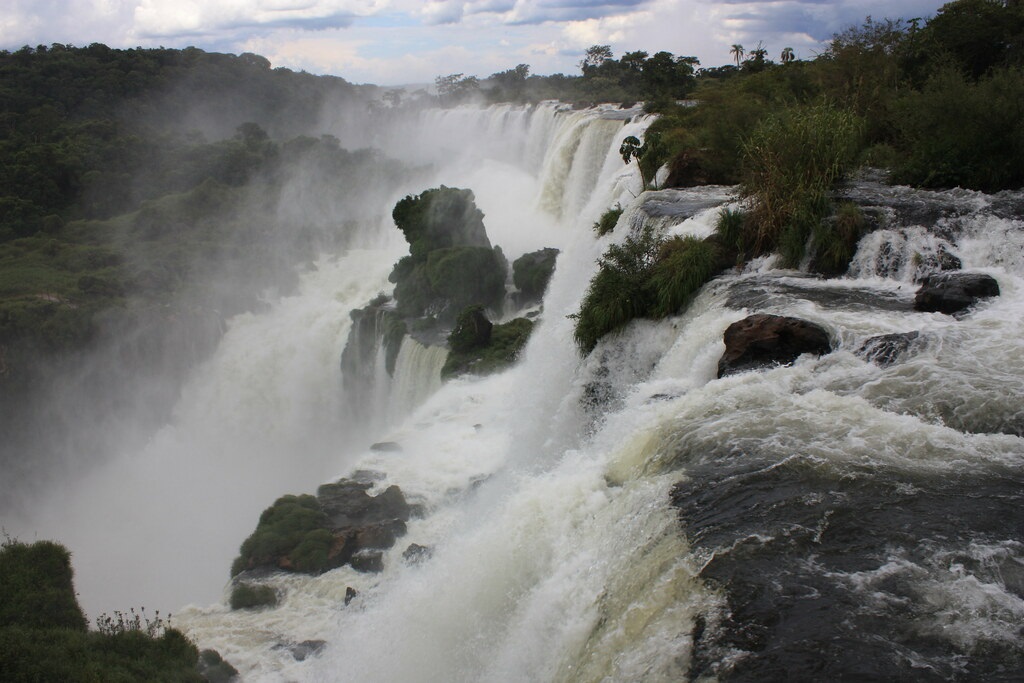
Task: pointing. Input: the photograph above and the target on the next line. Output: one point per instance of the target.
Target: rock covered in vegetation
(480, 348)
(886, 349)
(954, 292)
(451, 264)
(762, 340)
(342, 524)
(472, 330)
(251, 596)
(214, 669)
(531, 273)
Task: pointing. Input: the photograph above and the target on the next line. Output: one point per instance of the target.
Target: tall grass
(791, 162)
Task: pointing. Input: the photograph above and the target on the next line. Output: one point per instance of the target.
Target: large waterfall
(623, 517)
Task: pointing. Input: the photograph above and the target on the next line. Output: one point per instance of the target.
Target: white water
(555, 554)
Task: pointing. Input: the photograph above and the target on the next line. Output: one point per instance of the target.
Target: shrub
(292, 533)
(684, 265)
(731, 229)
(618, 292)
(606, 223)
(959, 133)
(472, 330)
(791, 162)
(38, 590)
(250, 596)
(835, 240)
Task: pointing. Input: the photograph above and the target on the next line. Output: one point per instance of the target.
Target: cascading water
(628, 516)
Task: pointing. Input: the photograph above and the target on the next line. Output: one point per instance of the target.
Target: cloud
(160, 18)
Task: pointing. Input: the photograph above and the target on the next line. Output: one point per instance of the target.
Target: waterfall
(625, 516)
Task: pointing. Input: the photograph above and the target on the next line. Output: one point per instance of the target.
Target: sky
(395, 42)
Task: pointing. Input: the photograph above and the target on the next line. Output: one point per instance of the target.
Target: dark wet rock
(347, 504)
(416, 553)
(350, 594)
(775, 292)
(382, 535)
(304, 650)
(386, 447)
(886, 349)
(369, 561)
(954, 292)
(762, 340)
(810, 557)
(212, 667)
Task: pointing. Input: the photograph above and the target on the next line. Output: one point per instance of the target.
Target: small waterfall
(417, 376)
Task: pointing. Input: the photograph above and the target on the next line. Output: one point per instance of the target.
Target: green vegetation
(291, 534)
(451, 263)
(939, 105)
(606, 223)
(253, 596)
(44, 638)
(531, 273)
(792, 161)
(477, 356)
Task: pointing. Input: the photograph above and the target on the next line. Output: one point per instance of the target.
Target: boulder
(416, 553)
(347, 504)
(885, 349)
(214, 669)
(954, 292)
(762, 340)
(370, 561)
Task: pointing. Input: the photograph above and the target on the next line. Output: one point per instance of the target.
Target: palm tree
(737, 53)
(787, 55)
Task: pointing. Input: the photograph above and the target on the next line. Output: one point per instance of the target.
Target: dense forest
(145, 196)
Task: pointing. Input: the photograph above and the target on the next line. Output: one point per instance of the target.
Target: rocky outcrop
(886, 349)
(342, 524)
(531, 273)
(954, 292)
(763, 340)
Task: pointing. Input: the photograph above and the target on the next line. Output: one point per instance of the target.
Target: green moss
(250, 596)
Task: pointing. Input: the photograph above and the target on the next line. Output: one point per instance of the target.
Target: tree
(455, 88)
(595, 56)
(737, 52)
(787, 55)
(643, 153)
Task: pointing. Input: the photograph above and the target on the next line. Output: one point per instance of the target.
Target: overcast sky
(391, 42)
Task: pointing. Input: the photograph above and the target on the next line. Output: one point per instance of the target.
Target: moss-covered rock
(502, 349)
(313, 534)
(439, 218)
(253, 596)
(531, 273)
(472, 330)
